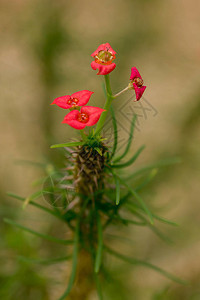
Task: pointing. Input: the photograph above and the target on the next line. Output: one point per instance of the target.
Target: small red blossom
(77, 99)
(87, 116)
(137, 83)
(104, 56)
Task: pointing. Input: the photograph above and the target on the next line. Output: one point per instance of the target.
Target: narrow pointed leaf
(134, 222)
(163, 220)
(115, 132)
(43, 261)
(162, 236)
(117, 191)
(146, 264)
(138, 198)
(72, 144)
(149, 178)
(98, 258)
(130, 161)
(41, 235)
(129, 140)
(36, 205)
(132, 208)
(98, 150)
(159, 164)
(32, 197)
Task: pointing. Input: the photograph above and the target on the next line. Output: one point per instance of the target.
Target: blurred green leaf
(117, 183)
(98, 150)
(159, 164)
(45, 236)
(43, 261)
(130, 161)
(138, 198)
(50, 211)
(146, 264)
(72, 144)
(129, 140)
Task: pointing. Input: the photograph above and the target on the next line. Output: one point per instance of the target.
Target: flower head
(77, 99)
(104, 56)
(137, 83)
(87, 116)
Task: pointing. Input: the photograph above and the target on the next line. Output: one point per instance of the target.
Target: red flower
(104, 56)
(88, 116)
(137, 82)
(77, 99)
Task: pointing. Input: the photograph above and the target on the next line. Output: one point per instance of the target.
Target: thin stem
(106, 106)
(121, 92)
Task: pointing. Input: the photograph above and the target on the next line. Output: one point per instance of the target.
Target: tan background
(45, 53)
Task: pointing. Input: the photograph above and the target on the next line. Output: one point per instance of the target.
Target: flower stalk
(109, 98)
(122, 91)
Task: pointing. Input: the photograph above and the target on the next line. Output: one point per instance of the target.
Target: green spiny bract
(89, 169)
(89, 166)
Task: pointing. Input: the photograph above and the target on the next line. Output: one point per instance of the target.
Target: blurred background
(45, 53)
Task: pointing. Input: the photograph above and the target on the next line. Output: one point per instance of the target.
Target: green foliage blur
(45, 53)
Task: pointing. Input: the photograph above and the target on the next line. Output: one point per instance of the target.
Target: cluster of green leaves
(120, 206)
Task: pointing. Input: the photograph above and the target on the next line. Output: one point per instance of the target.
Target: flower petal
(134, 73)
(104, 47)
(82, 96)
(138, 91)
(103, 69)
(94, 114)
(62, 101)
(71, 119)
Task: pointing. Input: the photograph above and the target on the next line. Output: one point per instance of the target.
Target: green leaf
(72, 144)
(159, 164)
(150, 177)
(130, 161)
(32, 197)
(138, 198)
(98, 150)
(134, 261)
(162, 236)
(134, 222)
(36, 205)
(115, 132)
(163, 220)
(98, 258)
(117, 191)
(129, 140)
(133, 208)
(43, 261)
(44, 236)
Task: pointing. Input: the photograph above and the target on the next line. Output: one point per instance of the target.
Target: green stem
(107, 105)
